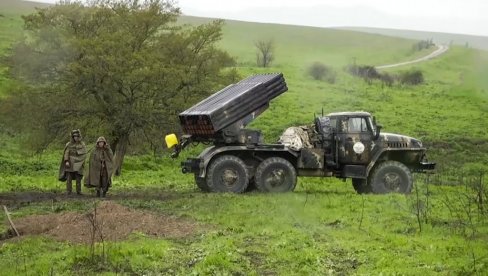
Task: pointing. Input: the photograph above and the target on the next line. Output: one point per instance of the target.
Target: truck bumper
(191, 165)
(425, 166)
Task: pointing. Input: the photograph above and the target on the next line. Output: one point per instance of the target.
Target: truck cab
(355, 132)
(355, 147)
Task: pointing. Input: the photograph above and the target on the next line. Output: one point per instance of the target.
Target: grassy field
(323, 227)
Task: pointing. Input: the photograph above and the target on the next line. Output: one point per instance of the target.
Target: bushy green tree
(119, 68)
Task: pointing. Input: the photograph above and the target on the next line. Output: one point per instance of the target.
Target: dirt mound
(108, 221)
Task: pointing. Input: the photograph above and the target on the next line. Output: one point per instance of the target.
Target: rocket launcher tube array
(232, 104)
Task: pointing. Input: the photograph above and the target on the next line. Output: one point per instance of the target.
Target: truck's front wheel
(391, 177)
(275, 175)
(361, 185)
(227, 173)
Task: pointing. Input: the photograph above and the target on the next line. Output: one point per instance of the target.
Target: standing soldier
(73, 162)
(100, 168)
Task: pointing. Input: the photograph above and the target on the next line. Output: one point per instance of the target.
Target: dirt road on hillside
(441, 49)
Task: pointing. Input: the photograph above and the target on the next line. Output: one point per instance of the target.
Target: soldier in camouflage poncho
(101, 167)
(73, 162)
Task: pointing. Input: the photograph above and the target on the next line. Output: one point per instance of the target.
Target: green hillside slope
(297, 46)
(480, 42)
(11, 29)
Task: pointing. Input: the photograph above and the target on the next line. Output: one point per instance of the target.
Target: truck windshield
(357, 125)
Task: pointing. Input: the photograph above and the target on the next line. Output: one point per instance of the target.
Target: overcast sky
(452, 16)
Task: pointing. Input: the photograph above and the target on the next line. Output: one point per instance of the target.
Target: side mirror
(378, 129)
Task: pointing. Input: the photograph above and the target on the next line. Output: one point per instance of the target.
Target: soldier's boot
(104, 187)
(98, 193)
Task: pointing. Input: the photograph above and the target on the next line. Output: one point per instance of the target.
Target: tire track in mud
(28, 197)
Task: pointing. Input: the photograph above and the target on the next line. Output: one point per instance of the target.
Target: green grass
(321, 228)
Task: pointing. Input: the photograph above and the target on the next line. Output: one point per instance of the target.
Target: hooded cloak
(97, 157)
(75, 153)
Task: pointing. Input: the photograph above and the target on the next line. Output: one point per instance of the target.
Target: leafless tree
(264, 55)
(96, 231)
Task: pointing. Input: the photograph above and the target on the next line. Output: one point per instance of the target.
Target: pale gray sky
(451, 16)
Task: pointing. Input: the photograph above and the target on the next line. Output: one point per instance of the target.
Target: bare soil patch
(113, 222)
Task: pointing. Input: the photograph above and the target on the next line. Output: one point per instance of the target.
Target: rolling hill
(298, 46)
(480, 42)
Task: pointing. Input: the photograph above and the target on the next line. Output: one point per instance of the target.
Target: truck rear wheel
(227, 173)
(361, 186)
(276, 175)
(391, 177)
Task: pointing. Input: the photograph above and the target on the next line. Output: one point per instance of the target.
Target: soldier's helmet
(76, 132)
(101, 139)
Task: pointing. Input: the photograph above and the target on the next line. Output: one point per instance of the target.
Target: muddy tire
(227, 173)
(391, 177)
(275, 175)
(201, 183)
(361, 186)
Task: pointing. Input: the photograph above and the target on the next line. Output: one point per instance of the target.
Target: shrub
(387, 79)
(367, 72)
(320, 71)
(423, 44)
(413, 77)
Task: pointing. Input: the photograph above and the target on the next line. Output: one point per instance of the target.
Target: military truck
(343, 145)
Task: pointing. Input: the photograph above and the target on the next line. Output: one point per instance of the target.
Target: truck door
(355, 140)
